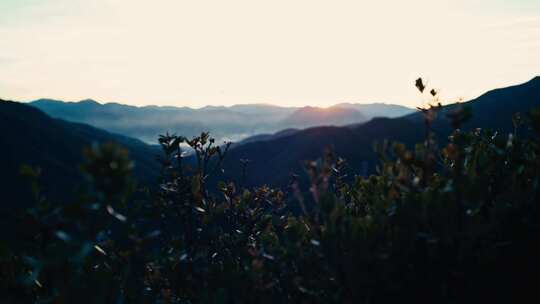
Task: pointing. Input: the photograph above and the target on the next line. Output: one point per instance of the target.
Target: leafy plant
(457, 223)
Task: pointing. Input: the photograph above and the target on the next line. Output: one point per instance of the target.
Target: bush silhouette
(457, 223)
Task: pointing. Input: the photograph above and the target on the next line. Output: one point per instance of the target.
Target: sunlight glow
(196, 53)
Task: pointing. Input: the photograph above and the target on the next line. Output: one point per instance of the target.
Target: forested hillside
(445, 225)
(453, 218)
(273, 160)
(55, 148)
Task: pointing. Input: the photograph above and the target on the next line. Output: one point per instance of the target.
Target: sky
(284, 52)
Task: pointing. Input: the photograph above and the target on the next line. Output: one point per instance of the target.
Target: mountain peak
(46, 100)
(314, 116)
(89, 101)
(535, 79)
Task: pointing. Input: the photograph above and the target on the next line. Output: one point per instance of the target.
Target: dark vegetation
(29, 137)
(452, 219)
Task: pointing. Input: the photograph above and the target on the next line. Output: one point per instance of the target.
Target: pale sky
(285, 52)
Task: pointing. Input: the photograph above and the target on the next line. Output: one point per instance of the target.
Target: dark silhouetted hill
(264, 137)
(494, 109)
(273, 160)
(30, 137)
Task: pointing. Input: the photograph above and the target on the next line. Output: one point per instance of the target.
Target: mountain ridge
(232, 123)
(285, 155)
(30, 137)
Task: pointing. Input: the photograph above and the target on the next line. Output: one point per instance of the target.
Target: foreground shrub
(453, 224)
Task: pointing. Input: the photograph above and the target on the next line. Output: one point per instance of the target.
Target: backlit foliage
(456, 223)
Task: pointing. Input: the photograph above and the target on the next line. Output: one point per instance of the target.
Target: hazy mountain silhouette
(147, 123)
(367, 112)
(372, 110)
(313, 116)
(263, 109)
(30, 137)
(274, 159)
(263, 137)
(225, 123)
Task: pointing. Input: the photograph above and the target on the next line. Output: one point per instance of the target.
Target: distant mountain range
(224, 123)
(273, 158)
(333, 116)
(30, 137)
(373, 110)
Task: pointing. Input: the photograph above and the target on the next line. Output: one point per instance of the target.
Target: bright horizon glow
(282, 52)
